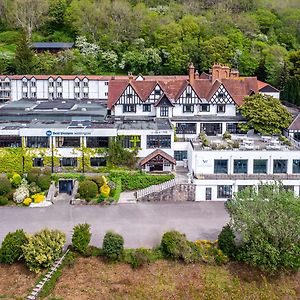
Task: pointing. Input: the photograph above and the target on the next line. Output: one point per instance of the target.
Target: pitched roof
(143, 88)
(265, 87)
(115, 90)
(295, 124)
(173, 88)
(156, 153)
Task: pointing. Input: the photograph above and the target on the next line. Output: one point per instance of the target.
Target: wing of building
(162, 116)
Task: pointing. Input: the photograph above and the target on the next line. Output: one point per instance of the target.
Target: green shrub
(113, 246)
(88, 189)
(5, 185)
(140, 257)
(101, 198)
(116, 192)
(33, 175)
(9, 37)
(70, 259)
(11, 249)
(138, 180)
(44, 182)
(81, 237)
(174, 245)
(97, 179)
(16, 180)
(226, 135)
(34, 188)
(3, 200)
(43, 248)
(226, 242)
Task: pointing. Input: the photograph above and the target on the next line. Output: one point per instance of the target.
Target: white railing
(155, 188)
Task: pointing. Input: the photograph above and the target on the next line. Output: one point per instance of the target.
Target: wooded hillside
(156, 37)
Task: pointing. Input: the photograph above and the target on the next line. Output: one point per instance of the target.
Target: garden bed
(91, 278)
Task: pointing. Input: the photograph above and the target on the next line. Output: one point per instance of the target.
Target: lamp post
(52, 162)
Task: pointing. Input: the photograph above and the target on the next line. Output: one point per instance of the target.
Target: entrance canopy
(158, 157)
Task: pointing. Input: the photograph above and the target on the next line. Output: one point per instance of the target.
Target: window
(188, 95)
(50, 83)
(58, 83)
(204, 107)
(220, 108)
(242, 187)
(68, 162)
(85, 84)
(157, 92)
(97, 142)
(211, 128)
(38, 162)
(288, 188)
(158, 141)
(105, 82)
(67, 142)
(25, 94)
(129, 95)
(129, 108)
(24, 83)
(37, 142)
(221, 95)
(186, 128)
(10, 141)
(59, 95)
(33, 94)
(33, 83)
(279, 166)
(233, 128)
(221, 166)
(164, 111)
(260, 166)
(296, 165)
(76, 84)
(189, 108)
(77, 95)
(85, 95)
(131, 141)
(51, 95)
(146, 107)
(180, 155)
(224, 191)
(240, 166)
(98, 161)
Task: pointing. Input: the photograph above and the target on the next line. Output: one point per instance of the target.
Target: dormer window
(24, 83)
(129, 95)
(51, 83)
(76, 83)
(58, 83)
(157, 92)
(33, 84)
(85, 84)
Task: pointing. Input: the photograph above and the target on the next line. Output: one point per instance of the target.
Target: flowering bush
(38, 198)
(27, 201)
(105, 190)
(21, 193)
(211, 253)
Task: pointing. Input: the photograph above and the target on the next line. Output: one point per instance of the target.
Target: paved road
(141, 224)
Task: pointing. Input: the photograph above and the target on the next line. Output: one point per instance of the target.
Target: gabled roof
(172, 88)
(115, 90)
(156, 153)
(295, 124)
(266, 88)
(164, 99)
(143, 88)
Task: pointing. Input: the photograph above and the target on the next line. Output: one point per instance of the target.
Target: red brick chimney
(234, 73)
(220, 71)
(191, 73)
(130, 76)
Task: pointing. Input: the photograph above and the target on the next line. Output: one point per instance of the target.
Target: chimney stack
(197, 75)
(221, 71)
(191, 73)
(130, 76)
(234, 73)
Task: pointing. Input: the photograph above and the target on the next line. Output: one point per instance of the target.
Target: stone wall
(177, 193)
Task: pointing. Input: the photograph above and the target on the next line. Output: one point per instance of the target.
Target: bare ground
(15, 281)
(91, 278)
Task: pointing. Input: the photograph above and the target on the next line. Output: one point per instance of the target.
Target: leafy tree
(264, 114)
(267, 222)
(24, 57)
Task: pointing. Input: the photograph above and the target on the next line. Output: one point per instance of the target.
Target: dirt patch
(15, 281)
(91, 278)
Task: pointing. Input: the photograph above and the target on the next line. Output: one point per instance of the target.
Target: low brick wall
(177, 193)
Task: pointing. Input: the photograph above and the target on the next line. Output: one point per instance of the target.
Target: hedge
(138, 180)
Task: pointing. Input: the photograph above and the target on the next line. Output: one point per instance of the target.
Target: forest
(259, 37)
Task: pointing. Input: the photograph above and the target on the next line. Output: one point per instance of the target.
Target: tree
(267, 223)
(24, 57)
(27, 14)
(264, 114)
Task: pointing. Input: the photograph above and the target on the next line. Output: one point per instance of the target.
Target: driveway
(141, 224)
